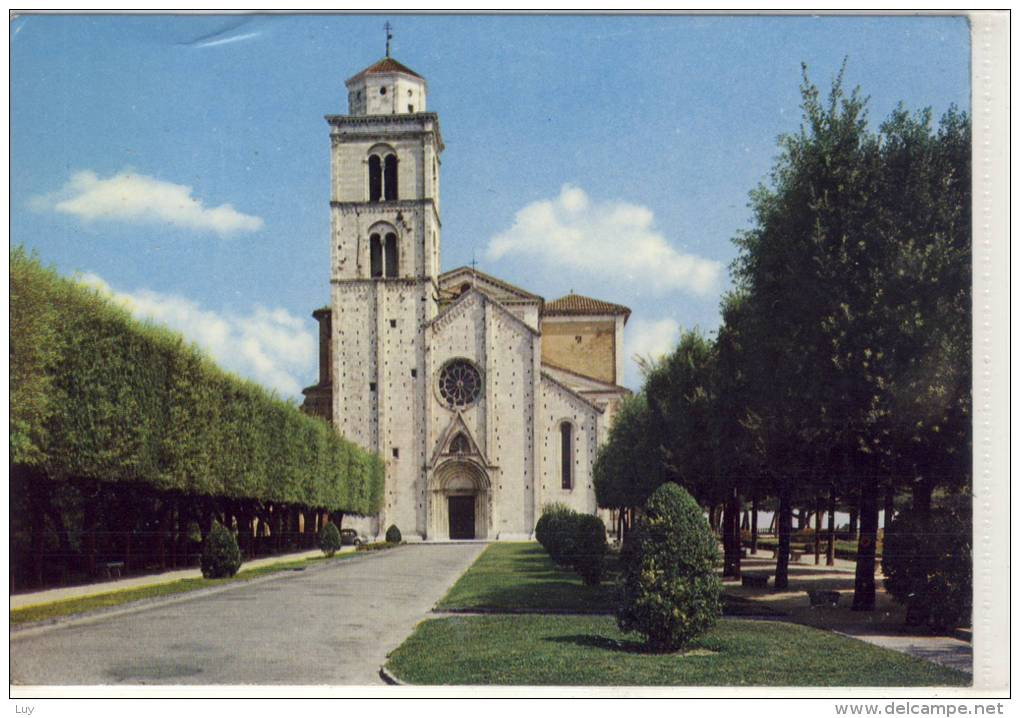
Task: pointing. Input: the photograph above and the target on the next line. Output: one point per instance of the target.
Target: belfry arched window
(460, 444)
(390, 177)
(567, 455)
(376, 251)
(382, 175)
(374, 178)
(391, 255)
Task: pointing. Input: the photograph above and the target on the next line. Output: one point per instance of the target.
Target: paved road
(331, 625)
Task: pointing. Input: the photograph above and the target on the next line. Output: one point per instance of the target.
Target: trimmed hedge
(590, 548)
(393, 534)
(929, 567)
(221, 557)
(670, 592)
(329, 538)
(96, 394)
(575, 540)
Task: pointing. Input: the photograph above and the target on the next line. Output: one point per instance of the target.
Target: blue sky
(181, 162)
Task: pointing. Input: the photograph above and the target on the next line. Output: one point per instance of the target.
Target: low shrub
(329, 538)
(589, 548)
(557, 532)
(221, 557)
(670, 592)
(393, 534)
(375, 546)
(927, 564)
(549, 511)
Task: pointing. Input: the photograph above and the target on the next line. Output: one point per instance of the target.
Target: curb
(963, 634)
(388, 678)
(488, 611)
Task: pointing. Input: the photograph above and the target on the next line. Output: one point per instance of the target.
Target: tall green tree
(628, 467)
(859, 245)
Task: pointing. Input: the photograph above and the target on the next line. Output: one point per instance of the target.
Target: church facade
(485, 401)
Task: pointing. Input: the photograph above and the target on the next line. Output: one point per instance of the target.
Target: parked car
(349, 537)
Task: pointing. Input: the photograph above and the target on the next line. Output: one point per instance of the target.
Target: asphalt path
(328, 625)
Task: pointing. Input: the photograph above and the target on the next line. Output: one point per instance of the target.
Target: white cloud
(615, 241)
(132, 197)
(270, 346)
(648, 339)
(226, 40)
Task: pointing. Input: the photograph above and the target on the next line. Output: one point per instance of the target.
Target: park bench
(112, 568)
(754, 580)
(823, 598)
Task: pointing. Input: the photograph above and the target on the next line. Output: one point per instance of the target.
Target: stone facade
(445, 375)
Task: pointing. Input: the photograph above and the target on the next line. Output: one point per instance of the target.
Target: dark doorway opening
(462, 517)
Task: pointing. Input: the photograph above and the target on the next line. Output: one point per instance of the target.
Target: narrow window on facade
(375, 245)
(391, 255)
(567, 454)
(390, 177)
(374, 178)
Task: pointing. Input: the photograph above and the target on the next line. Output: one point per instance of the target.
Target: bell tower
(384, 267)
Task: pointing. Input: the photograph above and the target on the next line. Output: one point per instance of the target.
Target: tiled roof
(580, 304)
(387, 64)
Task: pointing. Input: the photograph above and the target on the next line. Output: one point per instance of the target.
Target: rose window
(459, 383)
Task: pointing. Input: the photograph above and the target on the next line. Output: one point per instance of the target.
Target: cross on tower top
(389, 36)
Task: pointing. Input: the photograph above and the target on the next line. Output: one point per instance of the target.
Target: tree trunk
(864, 581)
(853, 521)
(774, 522)
(754, 523)
(818, 529)
(67, 554)
(830, 552)
(38, 540)
(785, 516)
(922, 492)
(165, 519)
(888, 510)
(89, 527)
(738, 544)
(727, 539)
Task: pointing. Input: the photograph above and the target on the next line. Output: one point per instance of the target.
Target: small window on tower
(382, 90)
(396, 453)
(393, 324)
(371, 386)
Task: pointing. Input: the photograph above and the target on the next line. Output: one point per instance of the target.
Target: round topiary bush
(393, 534)
(928, 568)
(558, 532)
(221, 558)
(542, 526)
(589, 548)
(670, 592)
(329, 538)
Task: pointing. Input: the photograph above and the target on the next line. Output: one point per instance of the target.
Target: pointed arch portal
(459, 501)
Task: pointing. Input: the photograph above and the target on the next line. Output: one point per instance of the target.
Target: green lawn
(844, 549)
(521, 578)
(590, 650)
(71, 606)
